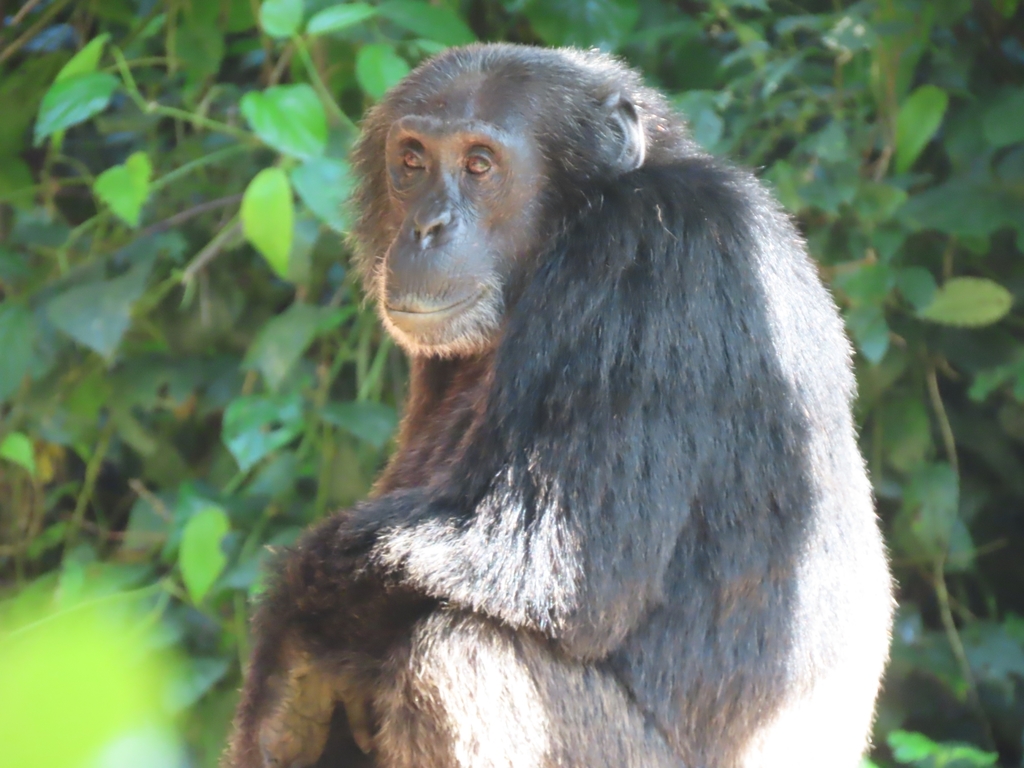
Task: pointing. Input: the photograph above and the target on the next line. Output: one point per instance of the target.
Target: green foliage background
(188, 375)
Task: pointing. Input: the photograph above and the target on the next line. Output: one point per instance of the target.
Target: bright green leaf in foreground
(268, 215)
(968, 302)
(95, 676)
(433, 22)
(17, 447)
(125, 188)
(378, 68)
(918, 120)
(339, 17)
(201, 558)
(85, 60)
(290, 118)
(73, 101)
(281, 18)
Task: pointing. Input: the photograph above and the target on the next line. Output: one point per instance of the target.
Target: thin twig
(189, 213)
(32, 31)
(150, 498)
(957, 646)
(21, 14)
(321, 88)
(212, 249)
(945, 428)
(92, 473)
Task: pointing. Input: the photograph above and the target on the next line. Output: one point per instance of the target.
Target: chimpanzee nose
(428, 225)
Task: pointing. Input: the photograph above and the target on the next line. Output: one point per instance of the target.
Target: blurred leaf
(85, 60)
(195, 679)
(850, 34)
(912, 748)
(969, 302)
(868, 284)
(433, 22)
(917, 286)
(256, 426)
(86, 668)
(870, 331)
(338, 17)
(125, 188)
(98, 314)
(324, 185)
(281, 18)
(372, 422)
(1003, 123)
(17, 447)
(200, 556)
(930, 503)
(378, 68)
(603, 23)
(282, 341)
(290, 118)
(268, 215)
(73, 101)
(906, 431)
(919, 118)
(17, 330)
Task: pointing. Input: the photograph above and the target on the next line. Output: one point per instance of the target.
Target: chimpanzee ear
(629, 145)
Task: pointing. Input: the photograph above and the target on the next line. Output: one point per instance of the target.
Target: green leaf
(910, 747)
(290, 118)
(968, 302)
(98, 314)
(281, 18)
(339, 17)
(1003, 123)
(918, 120)
(430, 21)
(282, 341)
(256, 426)
(324, 184)
(372, 422)
(125, 188)
(931, 501)
(17, 333)
(604, 23)
(870, 331)
(268, 215)
(17, 447)
(917, 285)
(378, 68)
(85, 60)
(196, 677)
(200, 556)
(73, 101)
(868, 283)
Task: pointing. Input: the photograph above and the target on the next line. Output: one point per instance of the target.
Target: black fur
(653, 474)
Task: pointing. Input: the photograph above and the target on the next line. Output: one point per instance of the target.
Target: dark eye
(478, 164)
(412, 159)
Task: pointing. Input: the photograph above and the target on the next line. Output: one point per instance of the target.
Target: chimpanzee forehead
(480, 98)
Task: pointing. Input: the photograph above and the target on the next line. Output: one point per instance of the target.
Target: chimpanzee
(627, 523)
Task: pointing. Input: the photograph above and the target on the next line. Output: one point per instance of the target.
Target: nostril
(432, 226)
